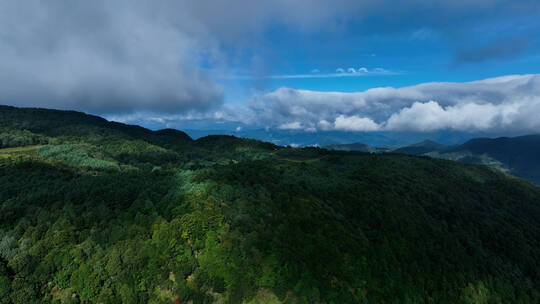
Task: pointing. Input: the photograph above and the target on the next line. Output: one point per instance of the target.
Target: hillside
(421, 148)
(518, 156)
(515, 155)
(99, 212)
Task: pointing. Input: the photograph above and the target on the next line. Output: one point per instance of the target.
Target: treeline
(19, 138)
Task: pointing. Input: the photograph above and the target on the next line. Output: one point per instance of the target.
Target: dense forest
(93, 211)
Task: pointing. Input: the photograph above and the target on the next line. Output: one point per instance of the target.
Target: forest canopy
(100, 212)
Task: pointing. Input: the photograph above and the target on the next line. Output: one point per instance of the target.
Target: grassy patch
(7, 152)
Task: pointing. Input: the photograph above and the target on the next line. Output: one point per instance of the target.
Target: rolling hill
(93, 211)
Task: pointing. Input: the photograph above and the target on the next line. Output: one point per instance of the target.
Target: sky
(310, 66)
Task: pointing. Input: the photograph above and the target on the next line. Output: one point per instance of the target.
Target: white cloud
(325, 125)
(355, 123)
(291, 126)
(431, 116)
(509, 103)
(340, 72)
(468, 117)
(174, 120)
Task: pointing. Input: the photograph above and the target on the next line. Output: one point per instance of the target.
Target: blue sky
(311, 66)
(417, 54)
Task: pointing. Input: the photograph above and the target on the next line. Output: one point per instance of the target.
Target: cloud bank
(509, 103)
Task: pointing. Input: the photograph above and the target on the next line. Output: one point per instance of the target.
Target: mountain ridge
(517, 155)
(25, 116)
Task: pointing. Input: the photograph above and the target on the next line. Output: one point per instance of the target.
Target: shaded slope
(521, 155)
(71, 123)
(421, 148)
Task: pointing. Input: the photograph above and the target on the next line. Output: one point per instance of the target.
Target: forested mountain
(421, 148)
(519, 156)
(99, 212)
(302, 138)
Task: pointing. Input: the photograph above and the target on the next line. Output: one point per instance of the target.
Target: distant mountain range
(420, 148)
(300, 138)
(519, 156)
(361, 148)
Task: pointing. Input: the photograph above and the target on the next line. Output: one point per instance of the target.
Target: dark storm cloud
(99, 56)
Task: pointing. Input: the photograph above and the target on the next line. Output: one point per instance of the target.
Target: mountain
(56, 123)
(93, 211)
(300, 138)
(518, 156)
(421, 148)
